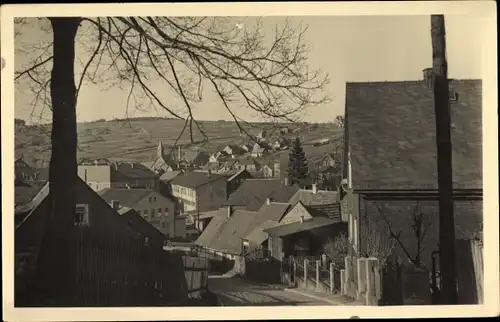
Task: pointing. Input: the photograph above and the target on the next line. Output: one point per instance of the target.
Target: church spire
(159, 151)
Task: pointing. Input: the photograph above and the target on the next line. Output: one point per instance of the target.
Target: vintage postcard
(220, 160)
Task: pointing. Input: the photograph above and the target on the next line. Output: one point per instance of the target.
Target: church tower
(160, 153)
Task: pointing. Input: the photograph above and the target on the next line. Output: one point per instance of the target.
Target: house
(284, 130)
(281, 143)
(218, 157)
(328, 160)
(23, 170)
(235, 179)
(200, 191)
(247, 147)
(228, 166)
(118, 175)
(269, 215)
(253, 193)
(53, 259)
(277, 169)
(163, 162)
(157, 209)
(201, 159)
(268, 171)
(261, 135)
(166, 181)
(249, 164)
(201, 219)
(140, 225)
(258, 150)
(224, 233)
(389, 165)
(314, 217)
(233, 149)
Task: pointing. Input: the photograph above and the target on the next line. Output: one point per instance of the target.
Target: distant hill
(136, 139)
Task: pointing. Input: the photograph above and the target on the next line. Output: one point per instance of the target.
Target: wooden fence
(196, 273)
(113, 271)
(125, 272)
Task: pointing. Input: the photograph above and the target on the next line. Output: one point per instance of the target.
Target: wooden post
(306, 263)
(347, 274)
(294, 273)
(332, 279)
(343, 282)
(318, 264)
(447, 263)
(370, 281)
(361, 272)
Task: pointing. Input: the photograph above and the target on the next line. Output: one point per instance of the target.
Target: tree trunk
(447, 261)
(57, 260)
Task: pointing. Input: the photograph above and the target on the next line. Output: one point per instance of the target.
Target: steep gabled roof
(134, 170)
(213, 228)
(168, 176)
(391, 135)
(127, 197)
(252, 193)
(296, 227)
(195, 179)
(268, 212)
(231, 232)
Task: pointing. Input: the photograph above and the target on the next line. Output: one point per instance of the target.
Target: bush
(336, 250)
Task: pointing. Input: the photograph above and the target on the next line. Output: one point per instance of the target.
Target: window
(154, 199)
(166, 210)
(145, 213)
(82, 215)
(159, 210)
(152, 212)
(150, 199)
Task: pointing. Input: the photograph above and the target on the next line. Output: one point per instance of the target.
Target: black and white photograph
(177, 160)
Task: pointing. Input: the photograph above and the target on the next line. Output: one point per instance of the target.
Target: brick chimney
(428, 77)
(115, 204)
(314, 188)
(229, 211)
(301, 219)
(268, 201)
(286, 182)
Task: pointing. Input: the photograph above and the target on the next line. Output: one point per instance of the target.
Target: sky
(348, 48)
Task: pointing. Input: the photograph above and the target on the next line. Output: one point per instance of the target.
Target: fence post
(378, 279)
(332, 278)
(294, 273)
(347, 275)
(306, 262)
(318, 262)
(342, 282)
(370, 281)
(361, 272)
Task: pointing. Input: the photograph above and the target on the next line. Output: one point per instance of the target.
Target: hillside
(137, 139)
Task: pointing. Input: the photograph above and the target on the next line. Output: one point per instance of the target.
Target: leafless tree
(419, 225)
(240, 65)
(379, 242)
(336, 250)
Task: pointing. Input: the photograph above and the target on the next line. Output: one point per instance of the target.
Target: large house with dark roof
(390, 164)
(253, 193)
(93, 245)
(199, 191)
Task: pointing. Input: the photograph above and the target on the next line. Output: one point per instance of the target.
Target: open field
(137, 139)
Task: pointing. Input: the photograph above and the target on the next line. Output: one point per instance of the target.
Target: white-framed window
(82, 215)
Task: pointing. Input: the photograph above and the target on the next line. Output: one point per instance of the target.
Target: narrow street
(237, 292)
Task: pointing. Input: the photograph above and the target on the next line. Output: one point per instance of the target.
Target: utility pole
(447, 262)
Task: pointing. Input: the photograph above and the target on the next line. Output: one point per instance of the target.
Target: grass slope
(137, 139)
